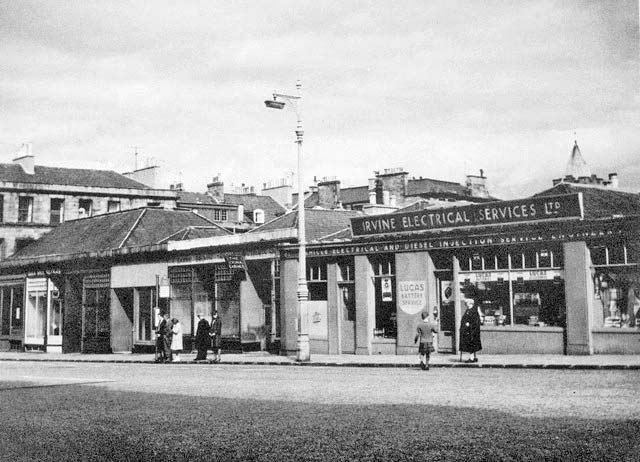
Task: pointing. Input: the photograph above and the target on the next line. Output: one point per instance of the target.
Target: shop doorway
(446, 315)
(347, 313)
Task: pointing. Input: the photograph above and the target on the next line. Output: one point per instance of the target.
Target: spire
(577, 166)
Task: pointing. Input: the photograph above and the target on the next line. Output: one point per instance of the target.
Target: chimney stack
(216, 188)
(613, 180)
(25, 159)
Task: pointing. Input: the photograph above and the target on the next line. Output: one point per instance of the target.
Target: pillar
(578, 288)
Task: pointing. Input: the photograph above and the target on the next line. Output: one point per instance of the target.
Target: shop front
(240, 288)
(560, 284)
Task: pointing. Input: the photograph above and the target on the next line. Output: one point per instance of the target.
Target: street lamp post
(302, 346)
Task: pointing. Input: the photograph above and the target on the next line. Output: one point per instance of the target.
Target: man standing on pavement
(163, 342)
(216, 336)
(425, 331)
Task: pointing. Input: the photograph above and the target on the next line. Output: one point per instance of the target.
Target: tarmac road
(597, 394)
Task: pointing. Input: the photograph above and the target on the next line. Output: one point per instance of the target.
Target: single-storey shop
(556, 273)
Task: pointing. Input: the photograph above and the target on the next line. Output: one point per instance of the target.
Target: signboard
(516, 211)
(235, 262)
(164, 291)
(387, 292)
(412, 296)
(520, 237)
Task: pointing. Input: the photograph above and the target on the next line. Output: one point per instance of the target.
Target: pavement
(524, 361)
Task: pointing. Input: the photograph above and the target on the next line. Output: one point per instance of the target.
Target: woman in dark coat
(203, 341)
(470, 331)
(216, 335)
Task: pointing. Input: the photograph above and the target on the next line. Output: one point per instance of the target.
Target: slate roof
(129, 228)
(319, 222)
(252, 202)
(195, 198)
(68, 177)
(599, 202)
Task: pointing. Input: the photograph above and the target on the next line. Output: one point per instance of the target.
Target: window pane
(544, 258)
(598, 255)
(386, 321)
(616, 254)
(6, 310)
(36, 306)
(17, 312)
(55, 323)
(144, 313)
(25, 209)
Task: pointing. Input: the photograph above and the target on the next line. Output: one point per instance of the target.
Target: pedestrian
(426, 329)
(203, 341)
(176, 340)
(470, 331)
(163, 340)
(215, 333)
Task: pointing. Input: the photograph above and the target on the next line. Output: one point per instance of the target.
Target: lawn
(79, 422)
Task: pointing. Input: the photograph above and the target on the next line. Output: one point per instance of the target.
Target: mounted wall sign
(412, 296)
(491, 213)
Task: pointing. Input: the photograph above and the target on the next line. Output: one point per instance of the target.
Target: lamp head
(273, 104)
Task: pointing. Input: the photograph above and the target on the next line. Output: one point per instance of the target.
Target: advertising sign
(387, 292)
(412, 296)
(492, 213)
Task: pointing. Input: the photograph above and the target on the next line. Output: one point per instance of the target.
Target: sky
(439, 88)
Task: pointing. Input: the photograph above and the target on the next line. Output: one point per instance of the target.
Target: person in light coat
(176, 340)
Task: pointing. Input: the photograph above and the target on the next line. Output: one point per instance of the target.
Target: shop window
(346, 268)
(181, 297)
(85, 208)
(616, 254)
(633, 253)
(55, 319)
(17, 314)
(599, 255)
(517, 260)
(385, 296)
(476, 262)
(5, 318)
(25, 209)
(530, 258)
(228, 307)
(617, 291)
(145, 313)
(36, 315)
(489, 262)
(544, 258)
(502, 260)
(97, 318)
(56, 209)
(317, 280)
(346, 288)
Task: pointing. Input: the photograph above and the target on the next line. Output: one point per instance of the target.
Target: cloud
(441, 88)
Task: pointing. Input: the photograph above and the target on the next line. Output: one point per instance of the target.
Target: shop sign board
(493, 213)
(235, 262)
(503, 276)
(457, 242)
(412, 296)
(387, 292)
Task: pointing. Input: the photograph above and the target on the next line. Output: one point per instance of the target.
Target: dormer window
(258, 216)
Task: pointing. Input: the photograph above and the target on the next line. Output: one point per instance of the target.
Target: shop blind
(97, 281)
(180, 274)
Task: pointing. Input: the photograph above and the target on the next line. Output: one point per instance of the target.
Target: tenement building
(35, 198)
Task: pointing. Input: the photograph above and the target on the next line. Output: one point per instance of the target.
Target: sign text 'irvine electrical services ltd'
(515, 211)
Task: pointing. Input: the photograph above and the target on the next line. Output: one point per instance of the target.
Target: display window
(11, 306)
(317, 279)
(515, 286)
(96, 313)
(228, 307)
(385, 295)
(36, 314)
(616, 282)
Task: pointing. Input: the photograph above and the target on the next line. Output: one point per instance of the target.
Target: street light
(278, 102)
